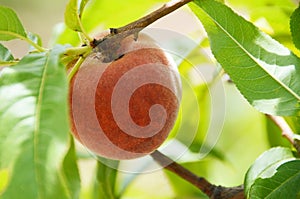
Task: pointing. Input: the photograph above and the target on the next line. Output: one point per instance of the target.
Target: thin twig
(212, 191)
(109, 45)
(286, 130)
(152, 17)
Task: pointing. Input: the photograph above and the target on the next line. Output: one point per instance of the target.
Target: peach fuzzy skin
(126, 108)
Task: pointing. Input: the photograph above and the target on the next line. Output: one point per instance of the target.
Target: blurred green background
(244, 135)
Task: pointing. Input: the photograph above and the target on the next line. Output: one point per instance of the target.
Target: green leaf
(265, 166)
(104, 186)
(5, 54)
(3, 179)
(34, 128)
(82, 6)
(265, 72)
(285, 183)
(72, 19)
(71, 171)
(295, 27)
(10, 25)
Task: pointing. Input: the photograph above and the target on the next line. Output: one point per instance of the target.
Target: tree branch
(109, 45)
(212, 191)
(286, 130)
(150, 18)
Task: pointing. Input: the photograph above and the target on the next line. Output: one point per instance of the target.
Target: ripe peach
(126, 108)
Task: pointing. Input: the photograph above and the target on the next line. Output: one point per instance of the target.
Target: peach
(125, 108)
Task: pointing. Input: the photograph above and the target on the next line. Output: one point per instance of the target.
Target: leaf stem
(77, 51)
(75, 68)
(84, 33)
(286, 131)
(36, 46)
(8, 63)
(74, 53)
(201, 183)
